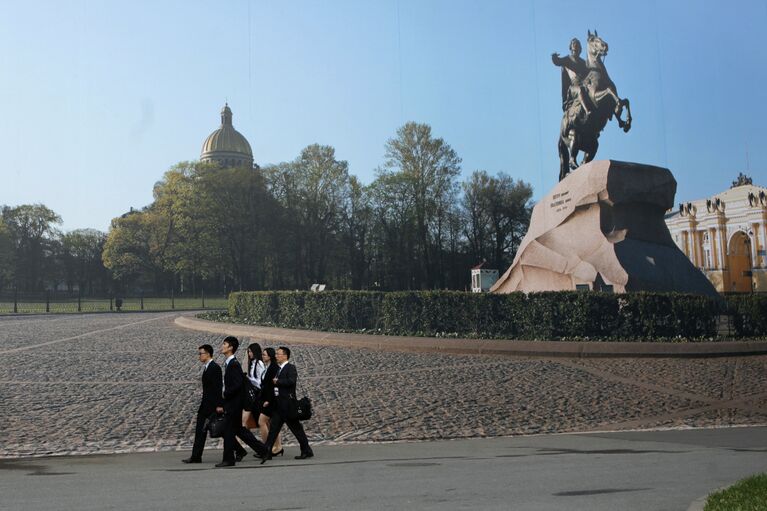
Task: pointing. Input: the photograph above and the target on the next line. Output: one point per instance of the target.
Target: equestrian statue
(589, 100)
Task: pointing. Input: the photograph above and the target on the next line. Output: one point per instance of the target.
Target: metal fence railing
(49, 302)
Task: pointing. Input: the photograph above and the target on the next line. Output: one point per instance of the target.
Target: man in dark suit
(284, 392)
(211, 398)
(232, 408)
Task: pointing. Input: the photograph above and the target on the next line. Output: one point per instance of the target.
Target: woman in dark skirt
(256, 369)
(267, 399)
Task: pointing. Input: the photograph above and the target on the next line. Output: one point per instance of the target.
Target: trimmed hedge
(749, 314)
(328, 310)
(545, 316)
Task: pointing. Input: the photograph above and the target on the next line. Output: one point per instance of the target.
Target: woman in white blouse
(255, 372)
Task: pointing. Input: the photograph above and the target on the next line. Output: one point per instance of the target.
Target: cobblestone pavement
(129, 382)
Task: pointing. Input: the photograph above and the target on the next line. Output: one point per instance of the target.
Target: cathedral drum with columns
(726, 236)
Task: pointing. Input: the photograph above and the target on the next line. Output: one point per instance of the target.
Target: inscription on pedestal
(560, 201)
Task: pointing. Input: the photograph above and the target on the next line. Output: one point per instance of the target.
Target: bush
(342, 310)
(749, 314)
(255, 308)
(290, 309)
(546, 316)
(362, 310)
(694, 315)
(501, 315)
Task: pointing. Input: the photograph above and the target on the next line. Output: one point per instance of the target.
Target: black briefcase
(303, 409)
(215, 425)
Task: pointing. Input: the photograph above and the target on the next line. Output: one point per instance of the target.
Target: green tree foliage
(428, 169)
(185, 206)
(312, 191)
(32, 229)
(307, 221)
(206, 224)
(36, 256)
(7, 260)
(129, 250)
(357, 219)
(394, 262)
(285, 226)
(81, 251)
(496, 213)
(240, 229)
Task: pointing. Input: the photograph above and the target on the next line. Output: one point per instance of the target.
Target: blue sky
(99, 99)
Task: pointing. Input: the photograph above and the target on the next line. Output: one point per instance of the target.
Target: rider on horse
(589, 100)
(574, 73)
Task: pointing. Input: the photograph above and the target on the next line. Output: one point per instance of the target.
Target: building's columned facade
(726, 236)
(226, 146)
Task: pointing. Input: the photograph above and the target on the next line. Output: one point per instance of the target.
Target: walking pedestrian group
(264, 396)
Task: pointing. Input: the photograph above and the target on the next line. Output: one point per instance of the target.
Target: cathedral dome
(226, 145)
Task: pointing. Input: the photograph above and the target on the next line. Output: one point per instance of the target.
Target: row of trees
(289, 225)
(36, 255)
(286, 226)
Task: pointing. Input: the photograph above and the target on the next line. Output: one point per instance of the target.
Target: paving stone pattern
(129, 382)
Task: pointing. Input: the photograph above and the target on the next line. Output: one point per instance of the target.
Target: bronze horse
(589, 100)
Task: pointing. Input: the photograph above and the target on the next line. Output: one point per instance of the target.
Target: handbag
(251, 396)
(251, 422)
(215, 425)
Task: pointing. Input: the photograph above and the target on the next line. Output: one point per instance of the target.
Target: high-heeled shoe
(281, 452)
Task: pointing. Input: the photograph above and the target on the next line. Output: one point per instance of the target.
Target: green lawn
(102, 305)
(747, 495)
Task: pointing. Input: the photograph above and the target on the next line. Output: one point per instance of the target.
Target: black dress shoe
(305, 455)
(281, 452)
(265, 458)
(240, 456)
(191, 460)
(225, 464)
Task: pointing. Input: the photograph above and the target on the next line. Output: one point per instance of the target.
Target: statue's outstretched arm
(565, 62)
(557, 60)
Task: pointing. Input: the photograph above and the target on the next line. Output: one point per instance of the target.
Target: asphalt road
(660, 470)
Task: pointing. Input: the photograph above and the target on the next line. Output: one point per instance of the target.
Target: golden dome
(226, 145)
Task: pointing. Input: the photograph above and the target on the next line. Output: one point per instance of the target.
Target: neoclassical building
(226, 146)
(726, 236)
